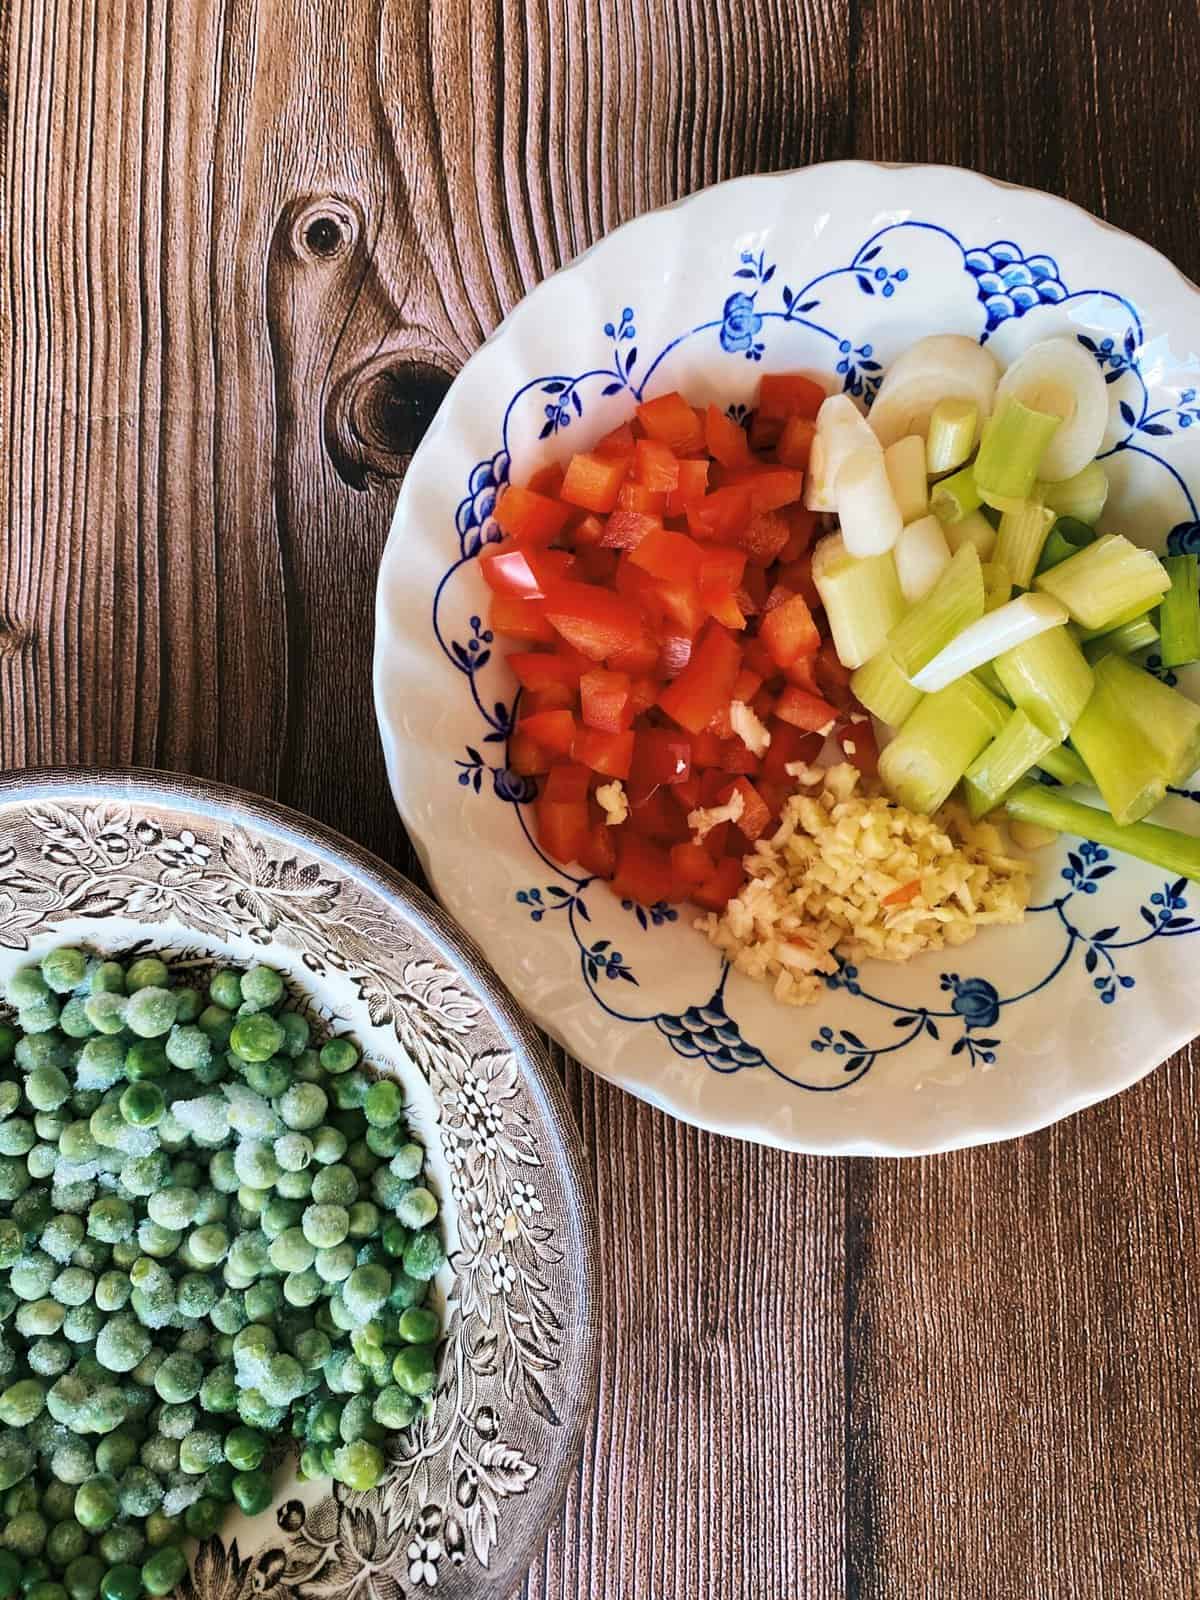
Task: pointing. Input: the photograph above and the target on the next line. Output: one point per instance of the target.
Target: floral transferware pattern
(471, 1485)
(1010, 284)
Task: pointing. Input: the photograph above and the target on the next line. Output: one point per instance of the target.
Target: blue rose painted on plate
(1009, 284)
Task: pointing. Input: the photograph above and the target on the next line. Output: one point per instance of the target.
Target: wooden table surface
(246, 246)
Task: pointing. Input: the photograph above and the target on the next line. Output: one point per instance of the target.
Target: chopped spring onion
(1059, 378)
(1020, 540)
(973, 529)
(906, 471)
(1175, 852)
(1067, 537)
(884, 691)
(1062, 763)
(938, 743)
(1047, 678)
(1081, 497)
(1010, 452)
(1126, 768)
(1179, 612)
(1019, 745)
(940, 367)
(1169, 720)
(921, 555)
(1102, 585)
(1134, 613)
(1003, 629)
(954, 602)
(955, 497)
(867, 511)
(841, 430)
(1126, 640)
(997, 586)
(861, 596)
(952, 426)
(987, 676)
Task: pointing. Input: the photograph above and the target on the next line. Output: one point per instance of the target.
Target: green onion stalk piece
(1013, 444)
(1175, 852)
(1179, 612)
(940, 740)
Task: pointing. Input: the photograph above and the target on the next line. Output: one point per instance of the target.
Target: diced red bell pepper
(727, 879)
(636, 497)
(562, 812)
(764, 431)
(721, 724)
(597, 566)
(681, 605)
(788, 631)
(553, 730)
(587, 532)
(596, 621)
(789, 394)
(902, 895)
(756, 656)
(592, 481)
(772, 488)
(706, 683)
(692, 486)
(775, 794)
(736, 756)
(607, 753)
(804, 710)
(673, 422)
(656, 466)
(604, 700)
(536, 669)
(746, 685)
(519, 619)
(638, 659)
(797, 575)
(627, 529)
(599, 852)
(803, 673)
(643, 692)
(706, 750)
(795, 442)
(802, 524)
(712, 783)
(660, 756)
(530, 517)
(657, 817)
(643, 871)
(754, 582)
(763, 704)
(720, 576)
(756, 814)
(617, 445)
(547, 480)
(691, 864)
(721, 517)
(762, 537)
(716, 841)
(550, 697)
(859, 745)
(686, 795)
(525, 757)
(664, 553)
(726, 439)
(674, 653)
(523, 570)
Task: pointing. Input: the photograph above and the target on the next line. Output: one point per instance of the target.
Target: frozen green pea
(172, 1208)
(146, 972)
(267, 1078)
(218, 1392)
(362, 1160)
(115, 1452)
(96, 1503)
(217, 1023)
(416, 1208)
(303, 1106)
(189, 1003)
(73, 1019)
(139, 1491)
(394, 1409)
(329, 1146)
(82, 1323)
(178, 1378)
(146, 1060)
(302, 1288)
(335, 1185)
(388, 1189)
(339, 1055)
(292, 1251)
(209, 1244)
(295, 1034)
(112, 1290)
(364, 1220)
(75, 1143)
(10, 1095)
(62, 1236)
(151, 1012)
(203, 1517)
(279, 1213)
(199, 1451)
(110, 1218)
(384, 1102)
(229, 1313)
(38, 1319)
(358, 1465)
(384, 1141)
(106, 1012)
(21, 1402)
(295, 1185)
(335, 1263)
(262, 986)
(255, 1164)
(263, 1300)
(188, 1048)
(425, 1255)
(142, 1105)
(394, 1237)
(293, 1151)
(350, 1090)
(256, 1037)
(156, 1240)
(49, 1358)
(222, 1173)
(25, 986)
(166, 1568)
(144, 1175)
(47, 1088)
(17, 1136)
(73, 1286)
(64, 969)
(325, 1226)
(415, 1369)
(11, 1243)
(41, 1161)
(226, 989)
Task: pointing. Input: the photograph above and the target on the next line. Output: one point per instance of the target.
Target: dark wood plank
(246, 247)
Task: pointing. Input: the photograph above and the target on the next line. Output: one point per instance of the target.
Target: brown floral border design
(473, 1484)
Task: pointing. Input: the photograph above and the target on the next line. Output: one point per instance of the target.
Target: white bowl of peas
(294, 1252)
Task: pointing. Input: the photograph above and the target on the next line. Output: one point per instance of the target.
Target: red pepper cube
(588, 532)
(528, 516)
(596, 566)
(797, 575)
(515, 618)
(726, 881)
(721, 517)
(553, 730)
(657, 817)
(807, 711)
(859, 745)
(604, 700)
(746, 685)
(537, 669)
(562, 812)
(592, 481)
(643, 692)
(691, 864)
(567, 784)
(706, 684)
(762, 536)
(617, 445)
(803, 525)
(736, 756)
(834, 677)
(636, 497)
(525, 757)
(795, 442)
(595, 621)
(692, 486)
(655, 466)
(756, 813)
(788, 630)
(674, 653)
(522, 570)
(627, 529)
(673, 422)
(803, 673)
(706, 751)
(598, 854)
(610, 754)
(726, 439)
(663, 553)
(789, 394)
(547, 480)
(643, 871)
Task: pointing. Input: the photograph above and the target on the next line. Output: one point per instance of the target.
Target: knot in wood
(324, 228)
(382, 413)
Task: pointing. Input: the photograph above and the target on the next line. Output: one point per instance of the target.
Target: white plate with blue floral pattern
(835, 269)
